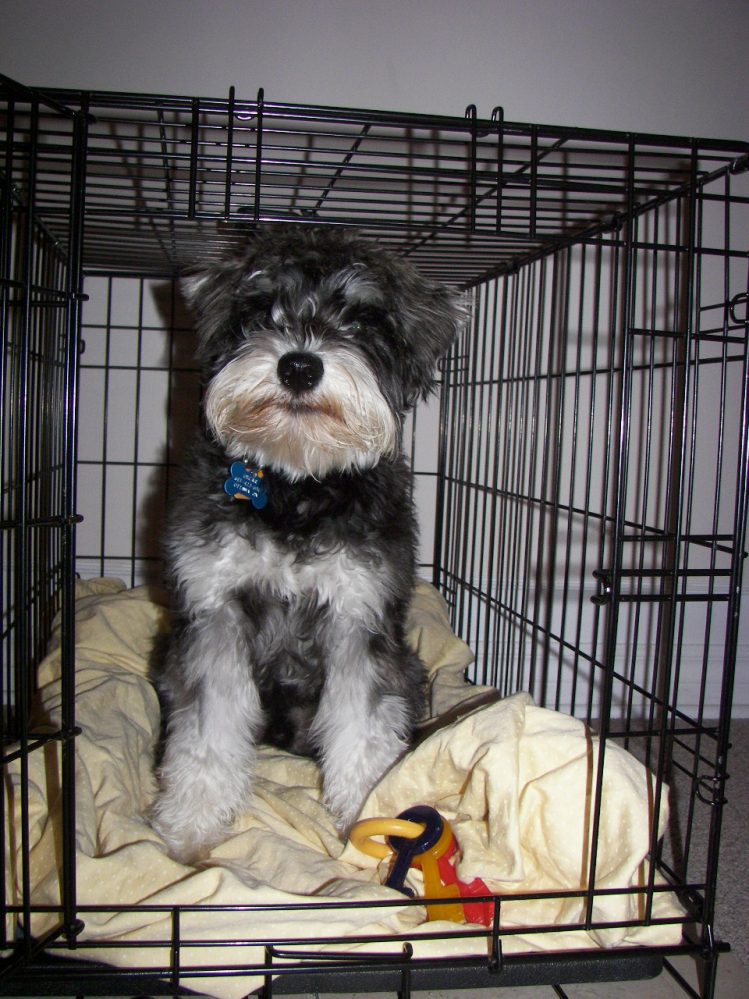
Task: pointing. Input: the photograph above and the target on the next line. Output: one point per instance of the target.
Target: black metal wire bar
(495, 954)
(454, 436)
(679, 374)
(566, 138)
(686, 304)
(570, 464)
(515, 528)
(718, 764)
(175, 951)
(513, 585)
(497, 118)
(36, 741)
(489, 467)
(560, 331)
(135, 492)
(438, 557)
(321, 904)
(518, 520)
(695, 411)
(531, 397)
(483, 563)
(405, 989)
(512, 446)
(483, 555)
(620, 501)
(740, 507)
(192, 184)
(680, 980)
(523, 619)
(464, 464)
(662, 657)
(653, 144)
(480, 428)
(647, 444)
(165, 164)
(456, 460)
(445, 486)
(471, 117)
(228, 173)
(6, 289)
(18, 92)
(538, 682)
(656, 366)
(533, 209)
(341, 169)
(592, 380)
(169, 185)
(611, 220)
(104, 462)
(643, 532)
(21, 567)
(20, 959)
(501, 664)
(72, 333)
(534, 519)
(312, 975)
(259, 153)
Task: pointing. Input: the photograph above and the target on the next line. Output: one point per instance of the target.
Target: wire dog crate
(583, 511)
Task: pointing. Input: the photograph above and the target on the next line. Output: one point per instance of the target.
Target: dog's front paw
(357, 753)
(182, 844)
(345, 813)
(200, 796)
(188, 839)
(192, 817)
(345, 801)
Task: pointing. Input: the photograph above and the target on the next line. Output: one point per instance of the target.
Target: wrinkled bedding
(513, 779)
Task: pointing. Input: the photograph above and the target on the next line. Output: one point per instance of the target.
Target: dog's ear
(431, 316)
(210, 292)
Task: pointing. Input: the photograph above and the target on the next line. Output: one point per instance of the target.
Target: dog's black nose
(300, 372)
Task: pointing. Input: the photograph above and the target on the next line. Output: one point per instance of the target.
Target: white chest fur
(211, 574)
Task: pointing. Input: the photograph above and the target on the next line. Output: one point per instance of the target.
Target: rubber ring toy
(420, 837)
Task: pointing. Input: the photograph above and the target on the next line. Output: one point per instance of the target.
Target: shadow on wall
(182, 408)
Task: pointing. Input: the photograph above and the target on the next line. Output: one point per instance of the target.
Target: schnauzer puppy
(291, 545)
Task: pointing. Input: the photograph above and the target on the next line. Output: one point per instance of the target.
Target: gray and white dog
(291, 544)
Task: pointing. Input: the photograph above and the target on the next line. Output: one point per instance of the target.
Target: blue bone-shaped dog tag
(246, 484)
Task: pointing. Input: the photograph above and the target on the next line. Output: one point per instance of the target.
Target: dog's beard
(343, 423)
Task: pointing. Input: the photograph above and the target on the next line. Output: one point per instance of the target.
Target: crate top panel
(168, 181)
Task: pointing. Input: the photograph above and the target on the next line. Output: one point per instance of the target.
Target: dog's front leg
(214, 719)
(360, 727)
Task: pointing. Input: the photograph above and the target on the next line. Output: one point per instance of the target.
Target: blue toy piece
(406, 849)
(247, 484)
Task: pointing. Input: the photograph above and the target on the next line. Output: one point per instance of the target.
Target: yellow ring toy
(362, 833)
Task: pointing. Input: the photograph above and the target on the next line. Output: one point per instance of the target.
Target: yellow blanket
(513, 779)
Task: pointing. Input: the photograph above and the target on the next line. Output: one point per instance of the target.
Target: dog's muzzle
(301, 411)
(300, 371)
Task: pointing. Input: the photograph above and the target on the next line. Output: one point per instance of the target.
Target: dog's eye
(356, 328)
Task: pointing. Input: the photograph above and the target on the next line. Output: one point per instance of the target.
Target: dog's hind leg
(214, 720)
